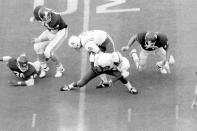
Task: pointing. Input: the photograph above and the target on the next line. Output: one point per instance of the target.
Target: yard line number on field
(72, 6)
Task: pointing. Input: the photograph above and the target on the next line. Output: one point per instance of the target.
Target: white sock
(128, 85)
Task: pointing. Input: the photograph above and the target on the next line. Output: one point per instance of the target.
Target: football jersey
(124, 65)
(104, 60)
(31, 72)
(56, 23)
(162, 41)
(91, 40)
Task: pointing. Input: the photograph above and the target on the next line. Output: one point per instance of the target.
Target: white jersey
(90, 40)
(104, 60)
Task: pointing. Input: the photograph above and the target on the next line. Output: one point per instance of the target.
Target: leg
(140, 62)
(39, 49)
(82, 82)
(118, 76)
(163, 65)
(52, 47)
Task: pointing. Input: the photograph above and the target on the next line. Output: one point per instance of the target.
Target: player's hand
(125, 48)
(32, 19)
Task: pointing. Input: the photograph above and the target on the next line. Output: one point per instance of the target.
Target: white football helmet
(116, 58)
(74, 42)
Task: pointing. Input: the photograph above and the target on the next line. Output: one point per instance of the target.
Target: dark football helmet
(151, 36)
(42, 13)
(22, 62)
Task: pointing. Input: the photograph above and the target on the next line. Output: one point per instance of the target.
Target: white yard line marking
(177, 112)
(81, 112)
(38, 2)
(33, 123)
(129, 115)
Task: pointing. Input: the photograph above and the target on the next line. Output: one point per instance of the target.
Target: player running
(50, 40)
(151, 43)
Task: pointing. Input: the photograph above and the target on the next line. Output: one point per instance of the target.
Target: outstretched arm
(130, 43)
(5, 58)
(29, 82)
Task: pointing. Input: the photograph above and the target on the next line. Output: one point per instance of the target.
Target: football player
(94, 41)
(50, 40)
(23, 69)
(151, 43)
(109, 63)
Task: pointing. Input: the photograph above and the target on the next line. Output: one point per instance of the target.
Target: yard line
(129, 115)
(33, 123)
(81, 112)
(177, 112)
(38, 2)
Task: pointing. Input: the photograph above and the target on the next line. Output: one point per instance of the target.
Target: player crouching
(23, 69)
(106, 63)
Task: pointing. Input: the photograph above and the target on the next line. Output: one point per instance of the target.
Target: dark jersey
(30, 73)
(162, 41)
(56, 23)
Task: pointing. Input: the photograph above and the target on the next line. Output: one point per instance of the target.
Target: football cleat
(65, 88)
(59, 71)
(171, 60)
(103, 85)
(133, 90)
(43, 72)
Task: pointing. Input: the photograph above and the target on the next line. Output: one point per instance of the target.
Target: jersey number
(18, 74)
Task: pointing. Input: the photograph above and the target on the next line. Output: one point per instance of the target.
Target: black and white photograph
(98, 65)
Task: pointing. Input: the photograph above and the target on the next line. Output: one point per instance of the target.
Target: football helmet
(116, 58)
(151, 36)
(42, 13)
(74, 42)
(22, 62)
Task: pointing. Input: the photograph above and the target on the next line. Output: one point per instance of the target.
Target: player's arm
(130, 43)
(37, 40)
(5, 58)
(92, 47)
(29, 82)
(124, 67)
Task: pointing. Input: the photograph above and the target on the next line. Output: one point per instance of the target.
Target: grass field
(163, 102)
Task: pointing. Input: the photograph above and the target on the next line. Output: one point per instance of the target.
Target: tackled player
(23, 69)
